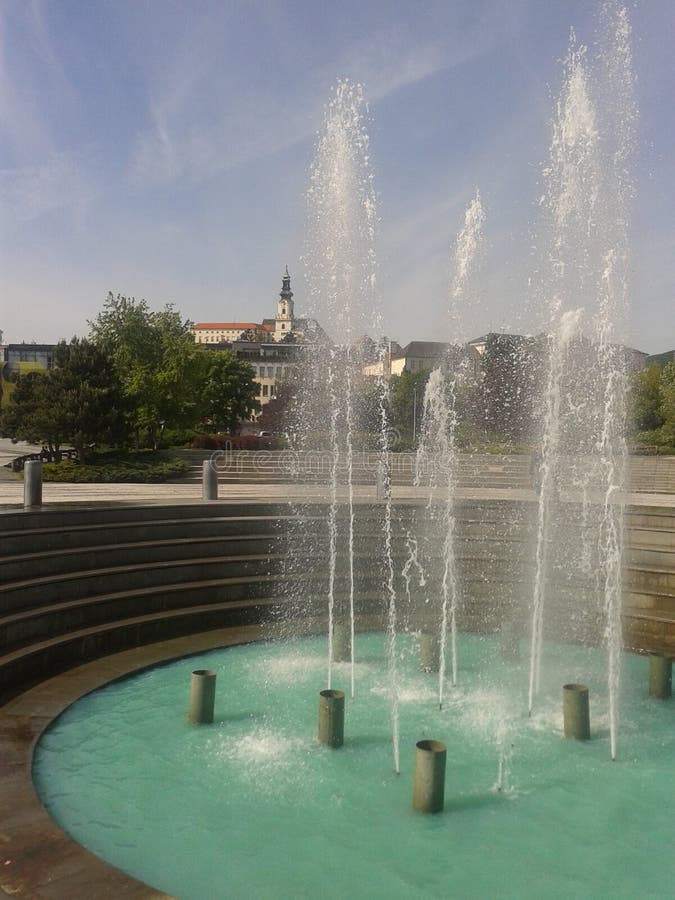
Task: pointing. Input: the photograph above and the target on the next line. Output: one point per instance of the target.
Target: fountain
(583, 446)
(275, 812)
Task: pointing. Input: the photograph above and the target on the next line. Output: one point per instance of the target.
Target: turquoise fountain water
(253, 806)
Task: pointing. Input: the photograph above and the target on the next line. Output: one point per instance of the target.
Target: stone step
(650, 579)
(642, 535)
(37, 624)
(68, 517)
(650, 557)
(36, 592)
(26, 665)
(56, 562)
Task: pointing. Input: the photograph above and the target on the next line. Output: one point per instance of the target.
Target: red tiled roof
(227, 326)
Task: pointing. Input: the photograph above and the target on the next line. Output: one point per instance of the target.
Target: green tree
(647, 398)
(406, 401)
(156, 360)
(278, 414)
(668, 404)
(226, 392)
(79, 401)
(31, 414)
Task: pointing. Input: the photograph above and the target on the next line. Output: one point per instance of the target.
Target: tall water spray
(437, 452)
(340, 264)
(586, 198)
(617, 103)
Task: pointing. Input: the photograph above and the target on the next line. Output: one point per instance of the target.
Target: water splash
(340, 272)
(617, 101)
(412, 565)
(588, 189)
(437, 452)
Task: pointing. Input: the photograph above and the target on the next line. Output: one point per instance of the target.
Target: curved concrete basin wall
(77, 584)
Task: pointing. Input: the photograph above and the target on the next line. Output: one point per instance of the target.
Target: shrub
(149, 470)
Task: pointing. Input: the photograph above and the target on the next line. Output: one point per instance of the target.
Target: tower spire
(286, 292)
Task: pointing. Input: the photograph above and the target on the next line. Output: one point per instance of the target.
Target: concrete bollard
(430, 651)
(429, 776)
(202, 697)
(342, 641)
(32, 484)
(209, 481)
(660, 676)
(576, 715)
(332, 718)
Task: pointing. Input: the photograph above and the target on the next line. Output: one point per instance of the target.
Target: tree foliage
(169, 380)
(668, 405)
(153, 356)
(226, 390)
(406, 402)
(647, 399)
(79, 401)
(278, 414)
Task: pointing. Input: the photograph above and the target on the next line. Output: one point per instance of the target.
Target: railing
(17, 464)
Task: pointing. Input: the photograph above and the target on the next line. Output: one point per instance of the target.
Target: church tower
(283, 323)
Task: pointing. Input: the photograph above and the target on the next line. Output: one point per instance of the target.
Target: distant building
(273, 348)
(636, 360)
(19, 359)
(271, 362)
(286, 323)
(417, 356)
(222, 332)
(269, 330)
(500, 338)
(22, 359)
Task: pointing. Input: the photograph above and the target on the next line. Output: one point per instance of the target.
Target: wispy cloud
(29, 192)
(33, 84)
(242, 124)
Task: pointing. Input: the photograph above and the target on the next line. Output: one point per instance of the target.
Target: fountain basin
(253, 805)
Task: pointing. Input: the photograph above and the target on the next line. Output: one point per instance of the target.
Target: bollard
(429, 776)
(430, 651)
(209, 481)
(660, 676)
(576, 716)
(342, 641)
(202, 697)
(331, 718)
(32, 484)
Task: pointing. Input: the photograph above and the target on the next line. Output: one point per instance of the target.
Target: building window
(270, 371)
(278, 371)
(283, 326)
(265, 390)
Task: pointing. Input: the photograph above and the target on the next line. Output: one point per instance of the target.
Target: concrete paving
(11, 494)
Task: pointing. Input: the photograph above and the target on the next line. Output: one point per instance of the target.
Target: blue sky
(161, 149)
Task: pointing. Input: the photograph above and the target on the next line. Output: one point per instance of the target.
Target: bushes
(140, 468)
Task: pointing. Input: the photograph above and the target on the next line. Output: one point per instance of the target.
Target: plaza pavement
(11, 490)
(11, 494)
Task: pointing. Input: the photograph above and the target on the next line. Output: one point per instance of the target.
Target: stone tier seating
(650, 474)
(287, 467)
(79, 583)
